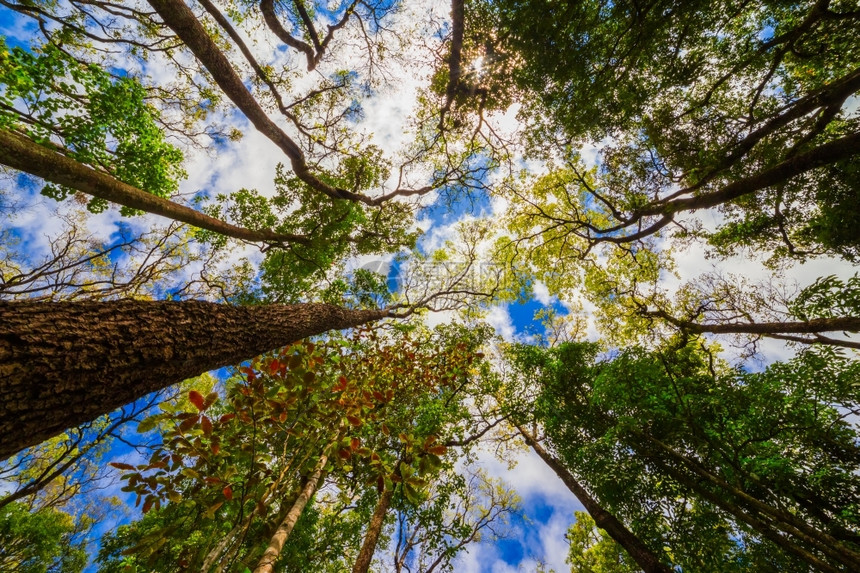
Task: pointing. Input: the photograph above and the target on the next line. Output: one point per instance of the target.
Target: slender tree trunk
(273, 551)
(602, 518)
(178, 17)
(785, 521)
(66, 363)
(374, 528)
(23, 154)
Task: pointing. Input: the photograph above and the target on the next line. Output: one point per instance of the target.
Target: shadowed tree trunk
(602, 518)
(66, 363)
(374, 528)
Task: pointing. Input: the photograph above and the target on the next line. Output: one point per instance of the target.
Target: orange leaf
(206, 424)
(196, 398)
(228, 493)
(354, 444)
(227, 418)
(353, 420)
(216, 448)
(380, 397)
(122, 466)
(345, 454)
(385, 430)
(437, 450)
(274, 366)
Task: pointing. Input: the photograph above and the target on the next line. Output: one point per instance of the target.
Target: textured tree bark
(602, 518)
(272, 552)
(25, 155)
(66, 363)
(374, 528)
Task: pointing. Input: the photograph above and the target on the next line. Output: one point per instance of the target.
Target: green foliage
(828, 297)
(684, 99)
(640, 429)
(102, 121)
(337, 229)
(592, 550)
(38, 542)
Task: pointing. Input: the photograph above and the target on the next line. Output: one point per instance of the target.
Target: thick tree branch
(267, 7)
(20, 152)
(815, 325)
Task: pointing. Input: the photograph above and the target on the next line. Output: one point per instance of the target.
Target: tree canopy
(263, 266)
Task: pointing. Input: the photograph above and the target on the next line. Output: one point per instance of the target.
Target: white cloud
(500, 319)
(541, 294)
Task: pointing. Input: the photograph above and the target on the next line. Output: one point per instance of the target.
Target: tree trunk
(760, 523)
(66, 363)
(178, 17)
(602, 518)
(272, 552)
(732, 498)
(374, 528)
(25, 155)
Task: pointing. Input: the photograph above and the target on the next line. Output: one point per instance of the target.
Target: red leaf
(345, 454)
(187, 424)
(228, 493)
(437, 450)
(341, 384)
(211, 480)
(227, 418)
(206, 424)
(385, 430)
(274, 366)
(196, 398)
(216, 448)
(380, 397)
(353, 420)
(354, 444)
(121, 466)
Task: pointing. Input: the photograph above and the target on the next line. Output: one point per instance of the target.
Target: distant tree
(592, 550)
(39, 542)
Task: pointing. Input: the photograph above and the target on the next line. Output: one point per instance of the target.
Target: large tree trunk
(273, 551)
(66, 363)
(374, 528)
(602, 518)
